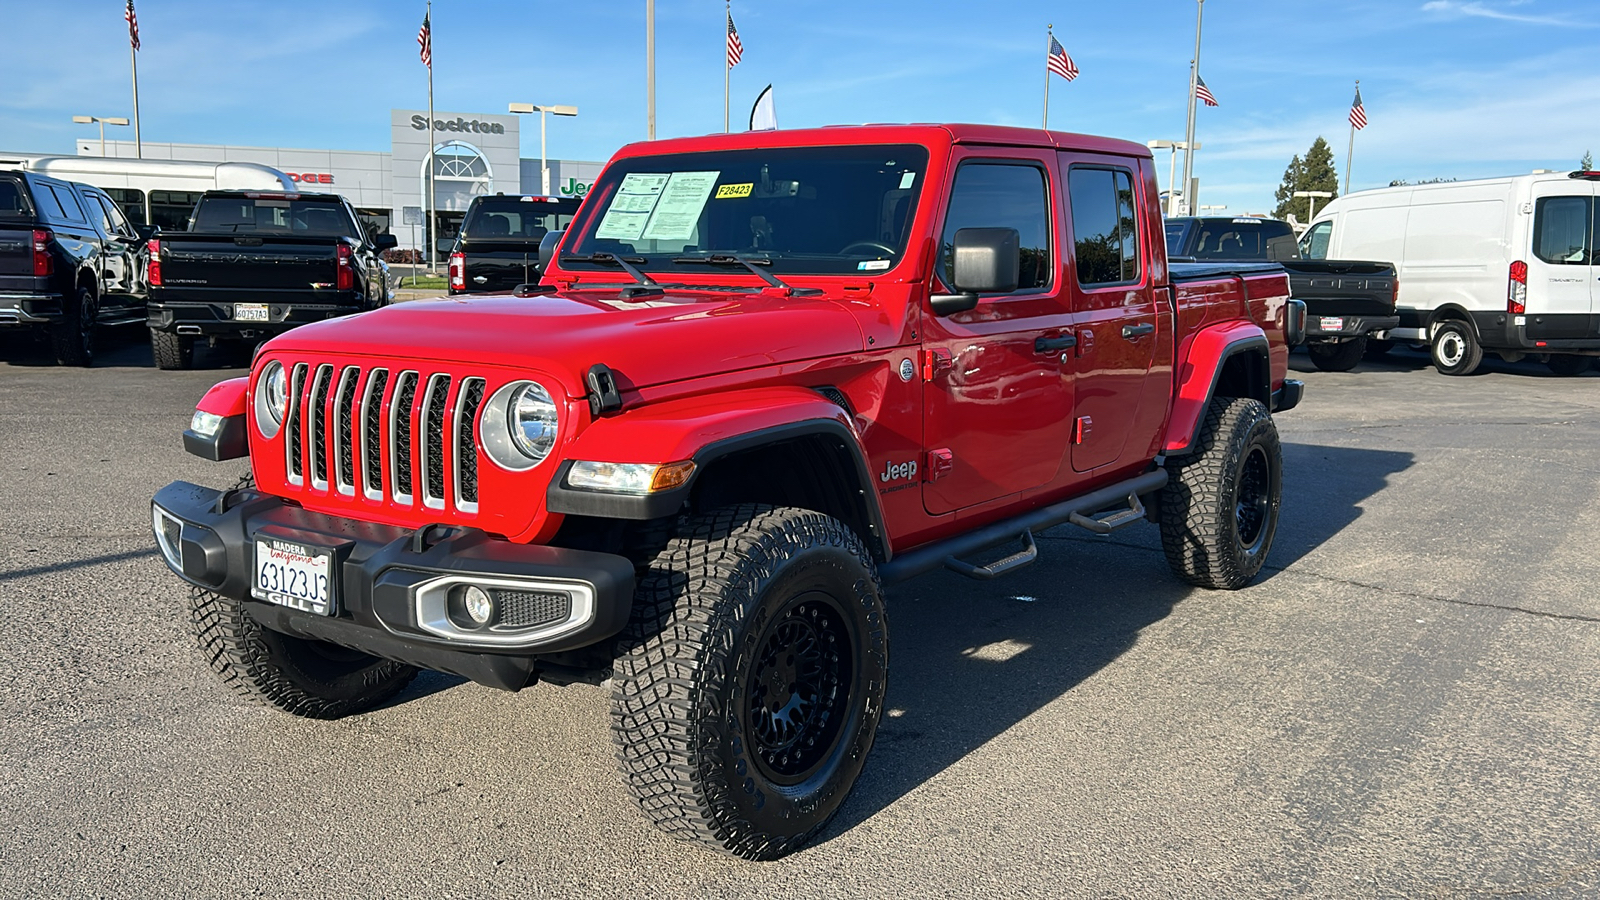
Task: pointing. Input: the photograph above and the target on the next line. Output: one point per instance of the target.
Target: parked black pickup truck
(498, 248)
(254, 264)
(1347, 301)
(69, 261)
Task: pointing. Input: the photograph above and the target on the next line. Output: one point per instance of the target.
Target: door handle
(1050, 345)
(1134, 332)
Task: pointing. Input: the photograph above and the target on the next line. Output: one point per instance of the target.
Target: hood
(651, 341)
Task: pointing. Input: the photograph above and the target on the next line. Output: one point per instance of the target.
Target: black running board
(928, 557)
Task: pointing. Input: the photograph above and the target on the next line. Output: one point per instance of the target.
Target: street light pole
(544, 164)
(650, 69)
(86, 120)
(1172, 169)
(1311, 201)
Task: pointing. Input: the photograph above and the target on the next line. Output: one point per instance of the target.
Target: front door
(1116, 316)
(1561, 268)
(998, 399)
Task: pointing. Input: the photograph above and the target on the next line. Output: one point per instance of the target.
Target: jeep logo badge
(907, 370)
(897, 471)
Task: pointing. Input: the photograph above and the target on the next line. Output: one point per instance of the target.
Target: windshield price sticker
(678, 211)
(728, 191)
(630, 208)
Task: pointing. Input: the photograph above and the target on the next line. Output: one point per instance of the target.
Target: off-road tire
(1377, 348)
(1340, 357)
(72, 338)
(742, 600)
(1454, 348)
(172, 351)
(1219, 510)
(305, 677)
(1569, 364)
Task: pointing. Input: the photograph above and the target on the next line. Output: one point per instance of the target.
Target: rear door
(1561, 269)
(997, 391)
(122, 274)
(1114, 305)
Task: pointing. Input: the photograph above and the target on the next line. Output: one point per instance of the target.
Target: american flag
(735, 49)
(425, 39)
(1358, 113)
(133, 25)
(1059, 62)
(1203, 92)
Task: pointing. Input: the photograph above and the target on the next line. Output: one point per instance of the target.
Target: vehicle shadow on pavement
(124, 347)
(1323, 489)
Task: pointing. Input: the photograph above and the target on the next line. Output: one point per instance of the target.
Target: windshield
(822, 210)
(273, 215)
(518, 218)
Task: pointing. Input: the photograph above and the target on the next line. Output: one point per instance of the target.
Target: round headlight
(272, 398)
(532, 418)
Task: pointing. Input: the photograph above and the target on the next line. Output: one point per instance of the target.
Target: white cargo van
(1500, 264)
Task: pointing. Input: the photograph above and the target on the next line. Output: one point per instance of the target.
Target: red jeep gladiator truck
(764, 375)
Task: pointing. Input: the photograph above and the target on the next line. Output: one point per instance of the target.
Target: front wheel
(1340, 357)
(750, 682)
(1455, 348)
(1219, 510)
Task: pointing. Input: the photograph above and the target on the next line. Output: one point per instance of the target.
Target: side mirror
(385, 241)
(547, 246)
(986, 261)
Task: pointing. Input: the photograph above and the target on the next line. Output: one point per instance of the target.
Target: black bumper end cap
(229, 442)
(1288, 396)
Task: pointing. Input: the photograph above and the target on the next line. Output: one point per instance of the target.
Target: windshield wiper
(753, 263)
(626, 262)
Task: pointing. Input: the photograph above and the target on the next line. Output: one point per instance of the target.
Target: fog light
(479, 607)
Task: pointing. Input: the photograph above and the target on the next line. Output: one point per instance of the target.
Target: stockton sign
(420, 123)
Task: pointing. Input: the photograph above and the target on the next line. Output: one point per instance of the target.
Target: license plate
(1332, 323)
(250, 312)
(295, 576)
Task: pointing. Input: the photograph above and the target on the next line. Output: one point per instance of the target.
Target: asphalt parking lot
(1404, 705)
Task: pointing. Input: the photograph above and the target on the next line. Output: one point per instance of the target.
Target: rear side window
(1314, 245)
(49, 206)
(1561, 230)
(1002, 195)
(68, 201)
(1105, 229)
(12, 203)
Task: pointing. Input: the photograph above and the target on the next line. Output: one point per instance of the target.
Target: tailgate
(16, 251)
(276, 263)
(1343, 287)
(501, 265)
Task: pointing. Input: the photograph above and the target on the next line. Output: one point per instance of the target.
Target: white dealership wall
(375, 180)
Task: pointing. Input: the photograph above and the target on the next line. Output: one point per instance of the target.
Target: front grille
(527, 609)
(343, 421)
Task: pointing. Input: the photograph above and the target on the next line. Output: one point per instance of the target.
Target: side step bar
(932, 556)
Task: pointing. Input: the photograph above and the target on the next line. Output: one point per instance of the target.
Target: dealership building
(474, 154)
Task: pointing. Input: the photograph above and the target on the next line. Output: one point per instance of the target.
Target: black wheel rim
(799, 688)
(1250, 505)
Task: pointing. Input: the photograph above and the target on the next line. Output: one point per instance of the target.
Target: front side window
(800, 210)
(119, 222)
(1314, 244)
(99, 216)
(1105, 228)
(1561, 230)
(131, 201)
(1001, 195)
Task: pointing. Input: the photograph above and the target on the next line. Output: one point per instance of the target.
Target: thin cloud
(1484, 11)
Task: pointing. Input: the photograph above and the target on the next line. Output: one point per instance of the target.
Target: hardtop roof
(931, 135)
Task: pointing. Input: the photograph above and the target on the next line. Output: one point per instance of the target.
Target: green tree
(1587, 163)
(1313, 172)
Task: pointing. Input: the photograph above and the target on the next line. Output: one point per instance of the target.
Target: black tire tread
(172, 352)
(1474, 351)
(1568, 364)
(687, 610)
(66, 337)
(1193, 532)
(1341, 357)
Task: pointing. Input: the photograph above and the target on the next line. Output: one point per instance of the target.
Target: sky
(1452, 88)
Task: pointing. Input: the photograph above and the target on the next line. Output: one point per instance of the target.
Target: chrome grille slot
(294, 436)
(372, 434)
(316, 427)
(465, 450)
(433, 436)
(344, 437)
(405, 394)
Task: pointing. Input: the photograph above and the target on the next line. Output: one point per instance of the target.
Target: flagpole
(138, 140)
(650, 69)
(433, 205)
(1048, 34)
(1351, 152)
(1194, 74)
(726, 69)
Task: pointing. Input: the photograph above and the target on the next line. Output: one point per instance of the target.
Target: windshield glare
(822, 210)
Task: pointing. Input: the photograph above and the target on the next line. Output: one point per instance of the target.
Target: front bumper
(216, 318)
(389, 581)
(29, 309)
(1347, 327)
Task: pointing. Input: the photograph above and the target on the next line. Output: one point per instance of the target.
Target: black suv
(498, 248)
(69, 260)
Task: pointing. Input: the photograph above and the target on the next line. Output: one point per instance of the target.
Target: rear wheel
(751, 680)
(1455, 349)
(1340, 357)
(73, 337)
(172, 351)
(1219, 510)
(1569, 364)
(1378, 348)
